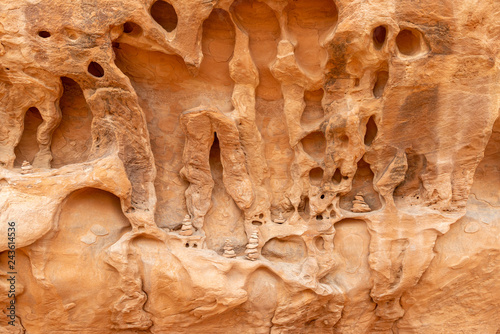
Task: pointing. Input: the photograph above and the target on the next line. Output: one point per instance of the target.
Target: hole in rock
(218, 42)
(72, 34)
(195, 245)
(371, 131)
(487, 175)
(72, 140)
(259, 21)
(314, 144)
(337, 177)
(290, 249)
(187, 245)
(256, 223)
(352, 242)
(412, 184)
(408, 42)
(316, 176)
(44, 34)
(308, 18)
(28, 145)
(319, 242)
(164, 14)
(223, 205)
(313, 111)
(379, 35)
(362, 184)
(261, 216)
(96, 70)
(322, 196)
(319, 217)
(378, 88)
(131, 28)
(303, 208)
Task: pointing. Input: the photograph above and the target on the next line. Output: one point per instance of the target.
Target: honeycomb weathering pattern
(274, 166)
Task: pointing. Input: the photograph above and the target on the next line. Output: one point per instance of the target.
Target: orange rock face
(248, 166)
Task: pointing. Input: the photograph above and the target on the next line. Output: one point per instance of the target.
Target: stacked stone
(359, 204)
(187, 226)
(251, 252)
(26, 168)
(228, 249)
(280, 219)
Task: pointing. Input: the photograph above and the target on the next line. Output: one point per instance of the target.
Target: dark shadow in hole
(44, 34)
(379, 35)
(378, 88)
(371, 131)
(319, 217)
(362, 184)
(412, 184)
(28, 145)
(96, 70)
(337, 177)
(303, 208)
(408, 42)
(164, 14)
(256, 223)
(131, 28)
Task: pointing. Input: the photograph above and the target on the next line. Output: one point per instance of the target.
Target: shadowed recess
(28, 146)
(131, 28)
(313, 111)
(95, 69)
(379, 35)
(164, 14)
(309, 21)
(408, 42)
(315, 144)
(371, 131)
(44, 34)
(379, 86)
(290, 249)
(316, 176)
(362, 184)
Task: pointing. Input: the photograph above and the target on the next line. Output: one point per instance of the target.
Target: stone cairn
(359, 204)
(280, 219)
(26, 167)
(228, 249)
(251, 252)
(187, 228)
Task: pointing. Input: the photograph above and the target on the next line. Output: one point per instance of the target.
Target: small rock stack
(359, 204)
(187, 228)
(228, 250)
(280, 219)
(26, 168)
(251, 252)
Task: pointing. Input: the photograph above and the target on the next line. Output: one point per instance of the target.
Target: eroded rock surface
(274, 166)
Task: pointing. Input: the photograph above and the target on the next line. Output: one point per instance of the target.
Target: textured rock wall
(275, 166)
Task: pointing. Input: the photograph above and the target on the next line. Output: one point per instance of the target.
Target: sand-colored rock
(247, 166)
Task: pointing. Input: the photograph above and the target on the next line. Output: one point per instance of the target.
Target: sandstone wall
(247, 166)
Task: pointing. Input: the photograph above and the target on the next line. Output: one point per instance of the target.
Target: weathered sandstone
(247, 166)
